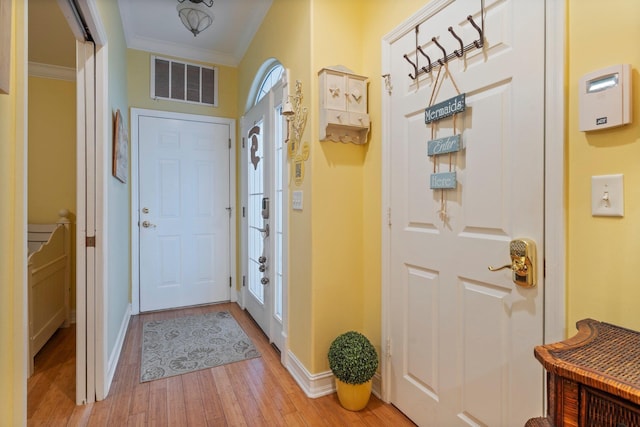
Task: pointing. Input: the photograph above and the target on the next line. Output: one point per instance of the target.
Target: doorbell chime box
(605, 98)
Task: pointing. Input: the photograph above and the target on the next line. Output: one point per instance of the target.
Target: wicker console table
(593, 378)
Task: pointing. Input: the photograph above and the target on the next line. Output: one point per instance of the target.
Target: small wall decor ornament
(296, 116)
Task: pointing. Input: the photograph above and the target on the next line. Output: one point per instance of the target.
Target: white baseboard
(114, 357)
(322, 384)
(313, 385)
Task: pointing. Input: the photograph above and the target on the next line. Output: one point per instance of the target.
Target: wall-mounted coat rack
(457, 53)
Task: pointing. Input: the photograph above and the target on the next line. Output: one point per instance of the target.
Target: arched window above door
(267, 76)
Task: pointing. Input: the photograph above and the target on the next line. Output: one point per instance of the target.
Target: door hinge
(243, 212)
(243, 140)
(544, 268)
(229, 209)
(229, 143)
(230, 281)
(90, 241)
(244, 281)
(389, 217)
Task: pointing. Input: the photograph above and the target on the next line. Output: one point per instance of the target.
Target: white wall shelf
(343, 106)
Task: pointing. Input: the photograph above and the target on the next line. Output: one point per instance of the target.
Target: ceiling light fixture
(194, 15)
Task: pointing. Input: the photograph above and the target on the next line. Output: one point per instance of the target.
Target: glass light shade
(195, 17)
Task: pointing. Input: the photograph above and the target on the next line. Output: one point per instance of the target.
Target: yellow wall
(52, 148)
(602, 252)
(13, 316)
(288, 40)
(338, 285)
(138, 84)
(52, 155)
(335, 242)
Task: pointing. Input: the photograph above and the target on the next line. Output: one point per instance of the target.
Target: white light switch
(607, 195)
(296, 201)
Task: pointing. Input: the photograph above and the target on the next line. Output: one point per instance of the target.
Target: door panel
(258, 158)
(461, 337)
(265, 180)
(184, 217)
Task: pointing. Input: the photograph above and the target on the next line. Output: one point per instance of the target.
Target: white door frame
(554, 211)
(136, 113)
(274, 95)
(93, 119)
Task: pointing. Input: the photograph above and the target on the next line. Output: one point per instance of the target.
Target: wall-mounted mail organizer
(457, 53)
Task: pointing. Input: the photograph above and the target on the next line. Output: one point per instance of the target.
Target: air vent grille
(184, 82)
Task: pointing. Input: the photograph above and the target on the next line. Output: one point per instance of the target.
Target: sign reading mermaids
(445, 109)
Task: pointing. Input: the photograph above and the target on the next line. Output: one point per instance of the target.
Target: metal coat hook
(460, 52)
(457, 53)
(429, 67)
(444, 52)
(480, 42)
(415, 68)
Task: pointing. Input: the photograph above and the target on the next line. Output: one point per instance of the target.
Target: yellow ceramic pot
(353, 397)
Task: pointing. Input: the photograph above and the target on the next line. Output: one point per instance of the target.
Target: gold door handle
(523, 262)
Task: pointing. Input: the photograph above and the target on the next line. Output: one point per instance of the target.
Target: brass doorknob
(523, 262)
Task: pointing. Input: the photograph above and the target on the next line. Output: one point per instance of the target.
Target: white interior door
(264, 221)
(185, 212)
(462, 337)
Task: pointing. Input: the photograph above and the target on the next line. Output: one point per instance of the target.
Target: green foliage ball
(352, 358)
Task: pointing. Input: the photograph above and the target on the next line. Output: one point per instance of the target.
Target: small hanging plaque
(445, 109)
(449, 144)
(443, 180)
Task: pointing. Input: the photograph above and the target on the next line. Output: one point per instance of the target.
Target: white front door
(461, 336)
(264, 222)
(184, 218)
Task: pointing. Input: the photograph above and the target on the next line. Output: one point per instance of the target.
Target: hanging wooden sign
(445, 109)
(449, 144)
(443, 180)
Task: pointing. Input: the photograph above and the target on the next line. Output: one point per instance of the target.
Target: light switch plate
(607, 195)
(296, 202)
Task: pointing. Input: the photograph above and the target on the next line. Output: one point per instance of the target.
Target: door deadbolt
(523, 262)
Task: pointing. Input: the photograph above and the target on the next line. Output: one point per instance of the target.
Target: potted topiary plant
(353, 360)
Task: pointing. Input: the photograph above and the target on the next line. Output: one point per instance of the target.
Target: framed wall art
(120, 148)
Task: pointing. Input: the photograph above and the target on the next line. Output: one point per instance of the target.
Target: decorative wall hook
(457, 53)
(415, 68)
(460, 52)
(387, 82)
(444, 52)
(428, 68)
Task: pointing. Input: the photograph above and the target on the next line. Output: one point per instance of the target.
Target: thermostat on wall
(605, 98)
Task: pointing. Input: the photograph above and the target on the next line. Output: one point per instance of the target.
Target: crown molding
(48, 71)
(179, 51)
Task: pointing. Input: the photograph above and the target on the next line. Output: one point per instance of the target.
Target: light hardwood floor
(256, 392)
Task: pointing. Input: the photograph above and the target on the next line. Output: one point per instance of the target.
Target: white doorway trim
(136, 113)
(555, 227)
(92, 380)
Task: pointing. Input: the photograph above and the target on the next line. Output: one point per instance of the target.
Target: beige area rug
(185, 344)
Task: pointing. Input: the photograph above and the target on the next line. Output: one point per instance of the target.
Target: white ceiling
(154, 26)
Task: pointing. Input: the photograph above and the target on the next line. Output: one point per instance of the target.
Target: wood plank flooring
(255, 392)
